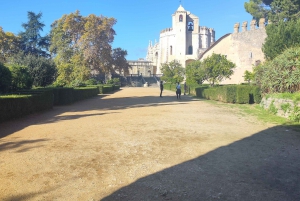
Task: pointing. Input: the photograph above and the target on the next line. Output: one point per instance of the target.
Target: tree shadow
(102, 103)
(262, 167)
(18, 144)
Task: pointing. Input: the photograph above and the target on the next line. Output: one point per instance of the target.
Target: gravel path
(134, 145)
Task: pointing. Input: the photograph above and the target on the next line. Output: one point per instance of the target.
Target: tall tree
(173, 72)
(41, 69)
(218, 68)
(89, 38)
(119, 61)
(273, 10)
(9, 45)
(31, 40)
(195, 73)
(281, 37)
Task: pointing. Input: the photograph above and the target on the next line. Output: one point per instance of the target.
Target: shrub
(281, 74)
(5, 79)
(21, 78)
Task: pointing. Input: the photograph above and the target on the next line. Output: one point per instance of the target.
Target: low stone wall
(280, 107)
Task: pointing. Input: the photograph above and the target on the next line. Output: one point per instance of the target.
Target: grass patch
(290, 96)
(259, 113)
(14, 96)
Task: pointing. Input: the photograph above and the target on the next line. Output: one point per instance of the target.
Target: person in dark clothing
(161, 88)
(178, 90)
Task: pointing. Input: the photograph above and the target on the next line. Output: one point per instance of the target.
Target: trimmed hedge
(233, 94)
(29, 101)
(16, 106)
(84, 93)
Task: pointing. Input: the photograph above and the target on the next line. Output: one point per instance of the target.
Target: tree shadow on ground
(262, 167)
(18, 144)
(98, 103)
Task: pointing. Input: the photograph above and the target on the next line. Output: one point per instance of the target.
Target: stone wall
(242, 48)
(280, 107)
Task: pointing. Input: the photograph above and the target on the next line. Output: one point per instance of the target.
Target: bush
(84, 93)
(21, 78)
(91, 82)
(5, 79)
(231, 93)
(15, 106)
(281, 74)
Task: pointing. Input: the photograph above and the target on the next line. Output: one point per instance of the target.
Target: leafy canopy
(31, 40)
(81, 44)
(195, 73)
(281, 36)
(173, 72)
(217, 68)
(282, 74)
(273, 10)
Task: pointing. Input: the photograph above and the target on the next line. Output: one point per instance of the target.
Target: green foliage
(231, 93)
(286, 107)
(5, 79)
(114, 81)
(173, 72)
(77, 83)
(273, 10)
(280, 75)
(195, 73)
(281, 36)
(80, 44)
(272, 108)
(31, 40)
(31, 101)
(258, 8)
(91, 82)
(21, 78)
(199, 91)
(42, 70)
(248, 76)
(9, 45)
(84, 93)
(217, 68)
(295, 116)
(119, 61)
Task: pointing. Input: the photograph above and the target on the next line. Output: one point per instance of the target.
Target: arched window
(190, 26)
(180, 18)
(171, 50)
(190, 49)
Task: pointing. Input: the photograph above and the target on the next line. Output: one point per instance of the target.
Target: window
(190, 50)
(190, 26)
(180, 18)
(171, 50)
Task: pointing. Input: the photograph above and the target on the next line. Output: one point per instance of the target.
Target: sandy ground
(134, 145)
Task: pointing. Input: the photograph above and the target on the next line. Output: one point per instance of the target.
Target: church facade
(184, 42)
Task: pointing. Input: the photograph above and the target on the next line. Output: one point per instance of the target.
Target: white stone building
(184, 42)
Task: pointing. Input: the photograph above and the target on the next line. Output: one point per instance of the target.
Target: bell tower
(180, 28)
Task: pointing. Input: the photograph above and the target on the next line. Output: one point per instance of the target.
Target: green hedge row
(232, 94)
(16, 106)
(29, 101)
(228, 93)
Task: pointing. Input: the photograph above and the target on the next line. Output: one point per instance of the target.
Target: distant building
(141, 67)
(244, 48)
(184, 42)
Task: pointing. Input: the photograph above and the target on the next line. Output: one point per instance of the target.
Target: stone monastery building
(187, 41)
(184, 42)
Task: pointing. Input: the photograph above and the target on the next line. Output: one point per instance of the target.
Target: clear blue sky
(138, 21)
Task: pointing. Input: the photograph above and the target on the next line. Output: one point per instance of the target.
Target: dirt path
(133, 145)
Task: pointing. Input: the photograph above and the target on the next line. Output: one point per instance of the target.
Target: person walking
(161, 88)
(185, 88)
(178, 90)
